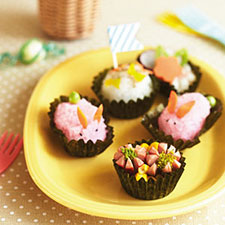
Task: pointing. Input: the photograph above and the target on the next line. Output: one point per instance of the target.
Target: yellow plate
(91, 185)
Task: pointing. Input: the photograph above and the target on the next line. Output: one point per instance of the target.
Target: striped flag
(122, 37)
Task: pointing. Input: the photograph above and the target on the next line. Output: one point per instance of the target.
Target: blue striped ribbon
(122, 37)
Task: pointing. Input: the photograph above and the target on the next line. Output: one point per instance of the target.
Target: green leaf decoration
(74, 97)
(184, 56)
(113, 82)
(160, 51)
(137, 76)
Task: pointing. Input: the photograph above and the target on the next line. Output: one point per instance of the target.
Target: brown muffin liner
(157, 186)
(150, 122)
(80, 148)
(131, 109)
(166, 87)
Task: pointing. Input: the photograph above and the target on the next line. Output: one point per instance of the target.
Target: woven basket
(68, 19)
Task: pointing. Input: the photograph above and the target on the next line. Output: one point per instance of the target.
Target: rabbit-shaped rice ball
(184, 116)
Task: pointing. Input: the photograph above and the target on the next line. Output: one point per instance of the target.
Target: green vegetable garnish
(129, 153)
(137, 76)
(164, 159)
(74, 97)
(184, 56)
(160, 51)
(212, 100)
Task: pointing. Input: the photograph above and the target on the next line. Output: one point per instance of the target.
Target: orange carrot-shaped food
(82, 118)
(184, 109)
(172, 102)
(98, 113)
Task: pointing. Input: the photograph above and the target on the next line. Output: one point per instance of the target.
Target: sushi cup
(150, 122)
(79, 148)
(149, 187)
(122, 109)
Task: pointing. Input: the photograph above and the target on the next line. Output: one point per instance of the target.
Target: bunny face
(76, 125)
(186, 118)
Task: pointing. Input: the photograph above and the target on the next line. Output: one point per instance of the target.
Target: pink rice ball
(187, 127)
(66, 120)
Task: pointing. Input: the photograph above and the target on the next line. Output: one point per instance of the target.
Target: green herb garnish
(160, 51)
(129, 153)
(184, 56)
(74, 97)
(164, 159)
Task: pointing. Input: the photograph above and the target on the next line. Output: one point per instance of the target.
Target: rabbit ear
(172, 102)
(82, 118)
(184, 109)
(98, 113)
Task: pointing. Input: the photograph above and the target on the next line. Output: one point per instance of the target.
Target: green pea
(212, 100)
(74, 97)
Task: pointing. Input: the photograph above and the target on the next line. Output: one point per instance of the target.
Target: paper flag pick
(122, 39)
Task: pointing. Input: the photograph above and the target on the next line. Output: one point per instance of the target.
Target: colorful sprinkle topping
(114, 82)
(74, 97)
(132, 71)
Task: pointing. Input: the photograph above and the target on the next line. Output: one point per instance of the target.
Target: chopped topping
(98, 113)
(137, 162)
(167, 68)
(74, 97)
(114, 82)
(133, 72)
(151, 159)
(82, 118)
(139, 176)
(184, 109)
(121, 161)
(212, 100)
(144, 160)
(164, 159)
(172, 102)
(129, 165)
(129, 152)
(152, 170)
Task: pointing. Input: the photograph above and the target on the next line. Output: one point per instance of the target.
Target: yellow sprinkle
(145, 145)
(154, 144)
(139, 176)
(114, 82)
(143, 169)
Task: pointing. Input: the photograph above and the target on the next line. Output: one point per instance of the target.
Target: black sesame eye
(80, 134)
(167, 120)
(174, 123)
(96, 130)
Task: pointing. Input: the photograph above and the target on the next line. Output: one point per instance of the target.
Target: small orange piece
(98, 113)
(82, 118)
(167, 68)
(172, 102)
(184, 109)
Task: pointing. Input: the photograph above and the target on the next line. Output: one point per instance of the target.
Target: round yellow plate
(91, 185)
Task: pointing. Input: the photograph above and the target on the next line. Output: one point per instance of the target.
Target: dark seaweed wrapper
(80, 148)
(157, 187)
(131, 109)
(166, 87)
(150, 122)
